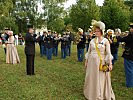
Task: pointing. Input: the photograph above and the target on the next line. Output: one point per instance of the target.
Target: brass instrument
(114, 39)
(124, 34)
(77, 39)
(109, 38)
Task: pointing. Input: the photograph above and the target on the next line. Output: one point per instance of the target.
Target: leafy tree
(131, 16)
(115, 14)
(5, 7)
(130, 4)
(57, 25)
(26, 11)
(5, 20)
(67, 22)
(82, 14)
(54, 12)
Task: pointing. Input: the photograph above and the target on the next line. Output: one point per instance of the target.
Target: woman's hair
(96, 27)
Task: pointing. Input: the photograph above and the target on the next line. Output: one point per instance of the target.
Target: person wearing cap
(30, 40)
(81, 45)
(49, 45)
(68, 34)
(114, 44)
(109, 34)
(128, 56)
(43, 43)
(88, 39)
(98, 82)
(64, 42)
(56, 40)
(11, 52)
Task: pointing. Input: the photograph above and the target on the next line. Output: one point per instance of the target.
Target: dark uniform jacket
(49, 41)
(81, 44)
(30, 44)
(64, 42)
(69, 39)
(128, 53)
(114, 46)
(88, 41)
(43, 40)
(55, 42)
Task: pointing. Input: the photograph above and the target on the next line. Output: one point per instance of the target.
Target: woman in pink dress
(98, 83)
(11, 54)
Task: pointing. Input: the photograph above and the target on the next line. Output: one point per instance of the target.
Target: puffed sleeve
(89, 51)
(108, 55)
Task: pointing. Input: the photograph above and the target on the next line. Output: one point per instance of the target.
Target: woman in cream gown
(11, 54)
(98, 83)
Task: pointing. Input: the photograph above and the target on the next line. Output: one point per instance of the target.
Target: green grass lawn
(54, 80)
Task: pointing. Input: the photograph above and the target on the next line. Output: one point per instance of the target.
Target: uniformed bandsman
(56, 40)
(128, 56)
(49, 45)
(64, 41)
(81, 45)
(30, 40)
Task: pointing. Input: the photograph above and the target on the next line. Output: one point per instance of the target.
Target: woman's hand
(110, 67)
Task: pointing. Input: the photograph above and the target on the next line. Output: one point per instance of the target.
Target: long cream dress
(98, 83)
(11, 52)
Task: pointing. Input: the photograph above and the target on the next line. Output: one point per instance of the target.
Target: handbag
(105, 67)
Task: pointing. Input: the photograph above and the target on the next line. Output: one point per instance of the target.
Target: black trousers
(30, 64)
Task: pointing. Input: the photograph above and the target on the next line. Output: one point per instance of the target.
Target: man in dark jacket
(68, 34)
(81, 45)
(114, 44)
(64, 42)
(56, 40)
(43, 43)
(30, 40)
(89, 38)
(128, 56)
(49, 45)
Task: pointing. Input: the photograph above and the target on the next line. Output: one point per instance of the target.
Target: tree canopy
(82, 13)
(16, 14)
(115, 14)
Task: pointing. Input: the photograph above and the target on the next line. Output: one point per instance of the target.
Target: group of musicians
(49, 44)
(49, 47)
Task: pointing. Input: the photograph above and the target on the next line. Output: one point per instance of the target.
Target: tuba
(76, 39)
